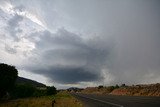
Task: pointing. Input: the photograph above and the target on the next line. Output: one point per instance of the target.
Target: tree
(123, 85)
(51, 90)
(8, 76)
(100, 86)
(116, 86)
(23, 90)
(111, 88)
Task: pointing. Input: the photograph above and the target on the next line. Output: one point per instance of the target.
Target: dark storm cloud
(79, 60)
(111, 41)
(127, 46)
(70, 75)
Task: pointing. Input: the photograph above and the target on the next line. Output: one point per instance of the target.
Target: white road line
(117, 105)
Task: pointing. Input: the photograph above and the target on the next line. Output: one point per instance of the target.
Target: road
(95, 100)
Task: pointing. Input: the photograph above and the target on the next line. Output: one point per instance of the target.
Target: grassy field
(62, 99)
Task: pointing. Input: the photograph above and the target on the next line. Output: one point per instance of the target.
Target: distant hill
(21, 80)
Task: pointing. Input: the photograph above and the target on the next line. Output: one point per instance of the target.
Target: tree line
(9, 89)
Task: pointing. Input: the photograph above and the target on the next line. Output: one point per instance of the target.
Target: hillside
(139, 90)
(135, 90)
(21, 80)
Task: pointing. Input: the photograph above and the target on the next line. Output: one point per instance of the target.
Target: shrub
(111, 88)
(100, 86)
(123, 85)
(39, 93)
(23, 90)
(51, 90)
(116, 86)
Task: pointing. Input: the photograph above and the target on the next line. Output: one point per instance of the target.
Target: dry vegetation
(139, 90)
(135, 90)
(96, 90)
(62, 99)
(28, 102)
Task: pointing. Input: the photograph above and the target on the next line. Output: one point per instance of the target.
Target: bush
(116, 86)
(100, 86)
(23, 90)
(39, 93)
(123, 85)
(111, 88)
(27, 90)
(51, 90)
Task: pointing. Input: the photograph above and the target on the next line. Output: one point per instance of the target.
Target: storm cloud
(66, 57)
(86, 41)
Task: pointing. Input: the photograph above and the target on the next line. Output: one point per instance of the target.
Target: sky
(82, 43)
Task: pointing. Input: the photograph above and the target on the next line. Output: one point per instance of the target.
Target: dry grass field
(62, 99)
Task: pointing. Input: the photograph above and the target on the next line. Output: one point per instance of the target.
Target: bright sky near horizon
(80, 43)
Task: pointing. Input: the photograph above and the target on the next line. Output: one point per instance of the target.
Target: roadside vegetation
(62, 99)
(9, 89)
(139, 90)
(14, 94)
(100, 89)
(134, 90)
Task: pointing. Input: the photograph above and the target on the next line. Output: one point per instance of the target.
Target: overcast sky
(82, 43)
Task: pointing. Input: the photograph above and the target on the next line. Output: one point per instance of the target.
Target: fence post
(53, 102)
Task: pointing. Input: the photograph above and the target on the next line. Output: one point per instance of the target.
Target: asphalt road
(94, 100)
